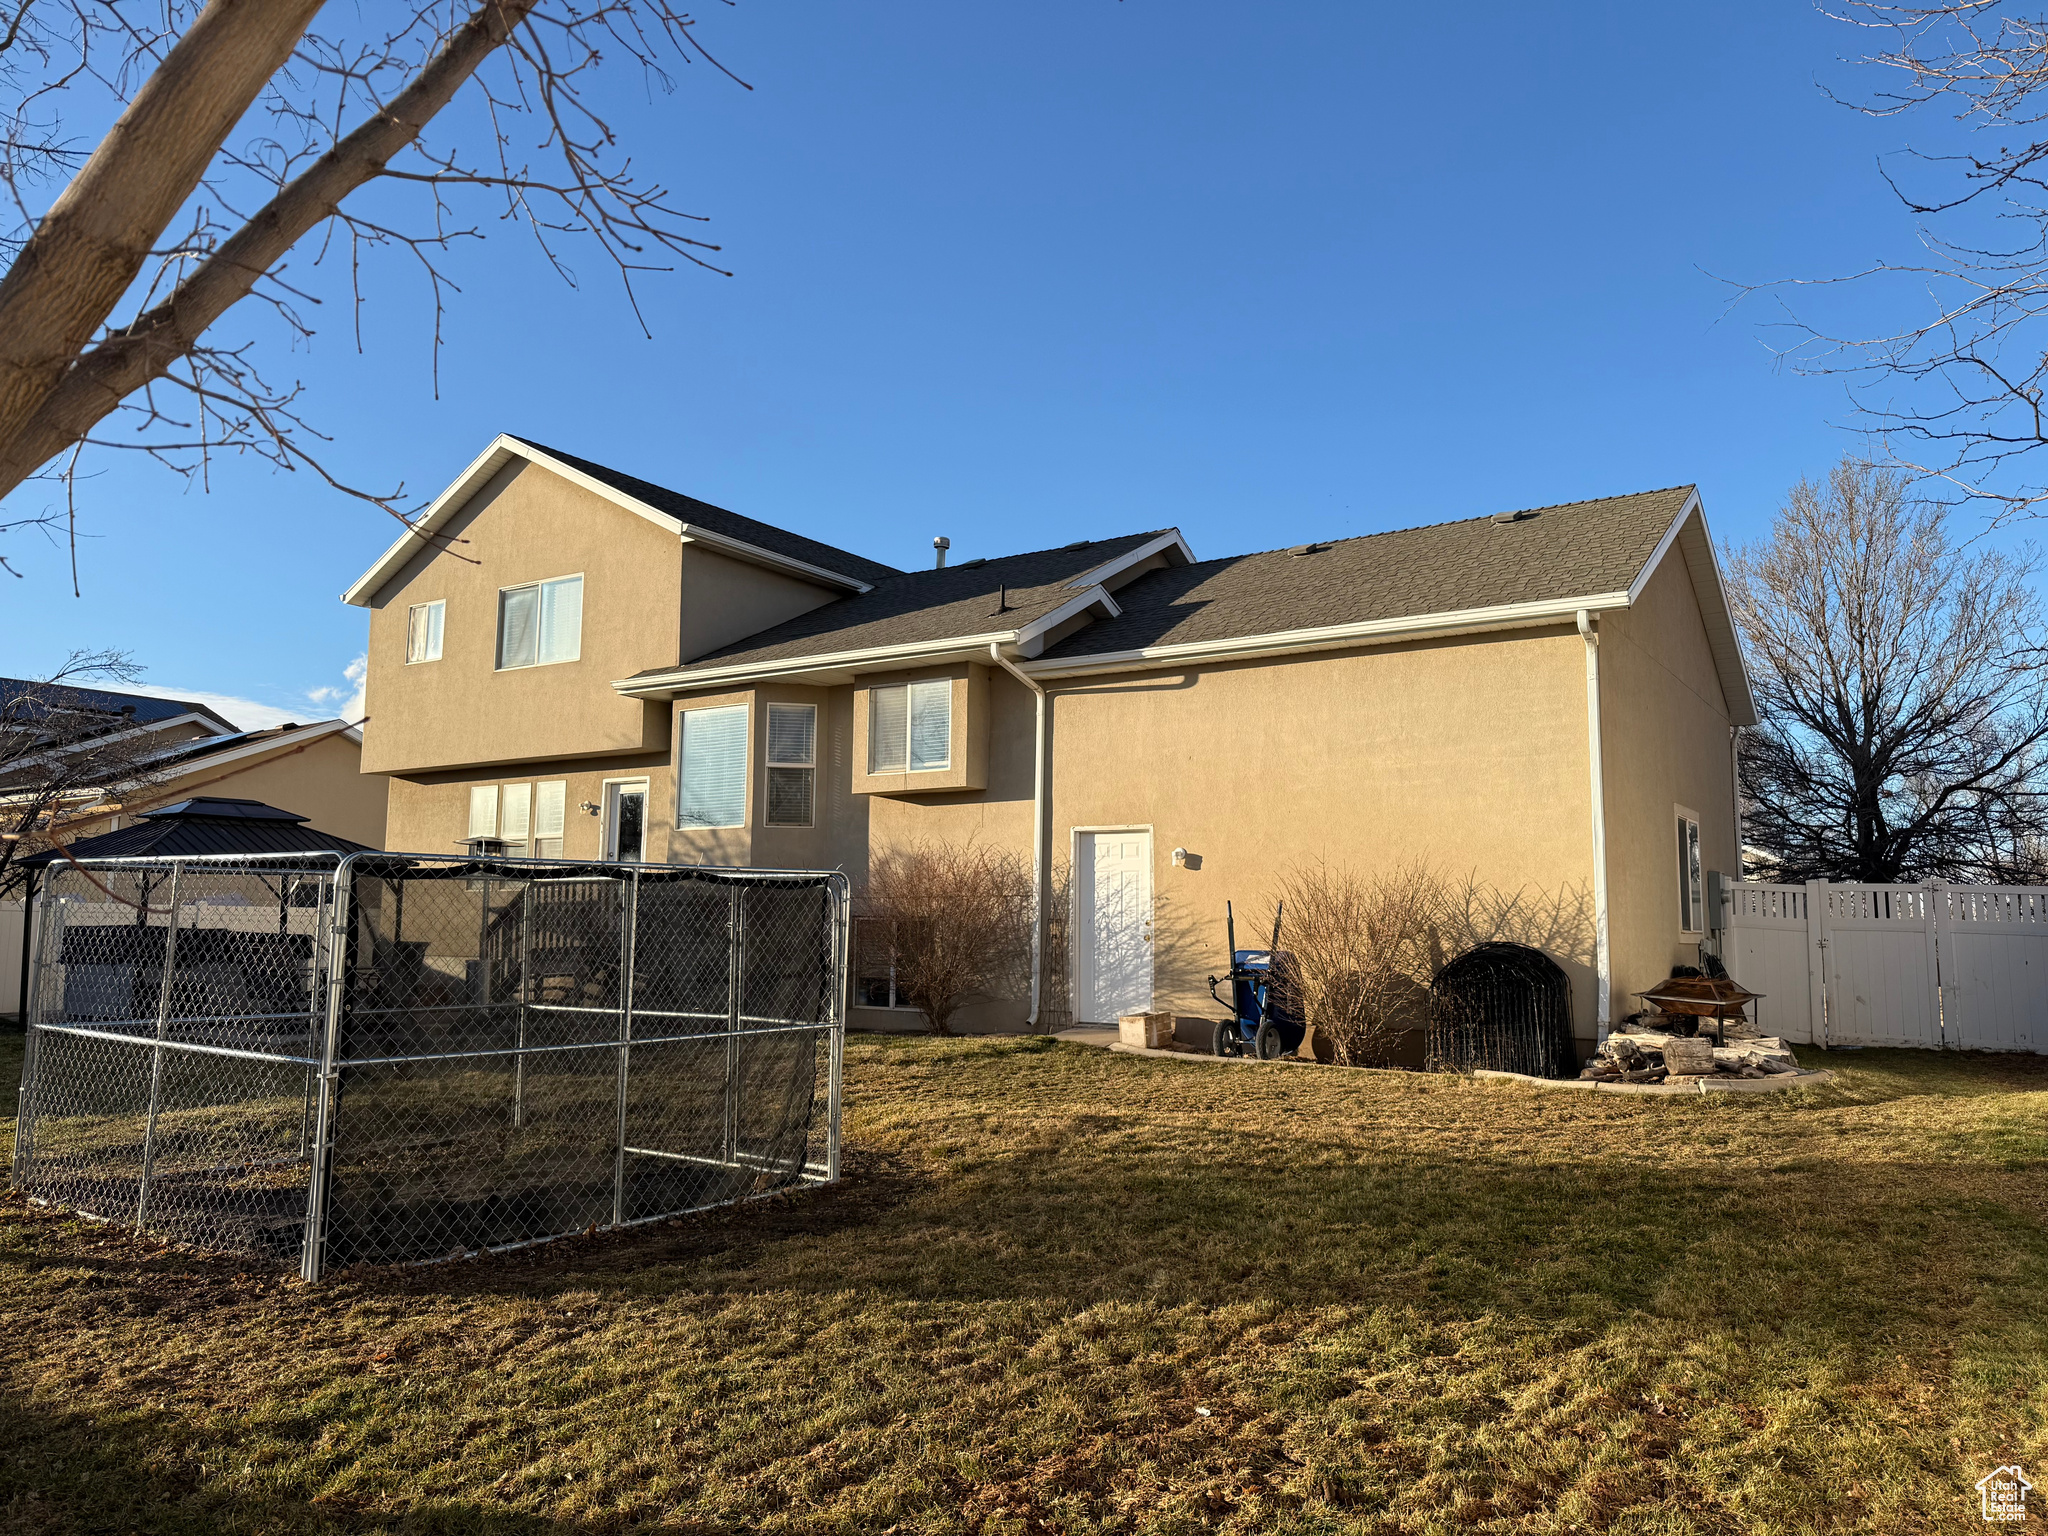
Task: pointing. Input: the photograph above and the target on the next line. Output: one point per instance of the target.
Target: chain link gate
(392, 1058)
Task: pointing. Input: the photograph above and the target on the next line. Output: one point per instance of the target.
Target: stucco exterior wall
(528, 524)
(724, 600)
(1666, 732)
(429, 813)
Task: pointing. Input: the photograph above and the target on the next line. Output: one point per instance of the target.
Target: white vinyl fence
(1933, 965)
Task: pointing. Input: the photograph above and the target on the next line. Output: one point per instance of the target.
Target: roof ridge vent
(1512, 517)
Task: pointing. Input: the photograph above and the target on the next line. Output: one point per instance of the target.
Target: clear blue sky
(1025, 273)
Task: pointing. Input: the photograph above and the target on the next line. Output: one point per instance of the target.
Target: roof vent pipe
(939, 546)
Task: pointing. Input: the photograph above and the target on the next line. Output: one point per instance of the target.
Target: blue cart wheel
(1269, 1044)
(1225, 1042)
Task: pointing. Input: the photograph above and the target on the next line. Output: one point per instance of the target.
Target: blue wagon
(1264, 1021)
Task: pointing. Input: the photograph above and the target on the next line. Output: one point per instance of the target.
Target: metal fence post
(313, 1254)
(735, 963)
(842, 919)
(629, 923)
(156, 1064)
(525, 1002)
(47, 943)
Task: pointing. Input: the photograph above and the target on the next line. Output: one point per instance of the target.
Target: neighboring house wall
(1666, 728)
(528, 524)
(321, 780)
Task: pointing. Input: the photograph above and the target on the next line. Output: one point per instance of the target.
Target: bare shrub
(1363, 948)
(957, 918)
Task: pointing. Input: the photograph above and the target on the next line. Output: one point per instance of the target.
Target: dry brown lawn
(1062, 1290)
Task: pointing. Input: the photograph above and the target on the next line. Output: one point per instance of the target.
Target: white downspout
(1038, 789)
(1601, 961)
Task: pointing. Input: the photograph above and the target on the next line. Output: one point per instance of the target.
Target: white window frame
(909, 724)
(681, 763)
(539, 598)
(770, 762)
(609, 802)
(481, 795)
(515, 816)
(434, 616)
(1692, 873)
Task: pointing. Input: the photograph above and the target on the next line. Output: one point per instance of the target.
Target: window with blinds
(792, 764)
(515, 813)
(423, 631)
(549, 802)
(711, 771)
(483, 810)
(540, 623)
(910, 727)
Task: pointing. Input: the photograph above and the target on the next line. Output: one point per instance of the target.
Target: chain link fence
(391, 1058)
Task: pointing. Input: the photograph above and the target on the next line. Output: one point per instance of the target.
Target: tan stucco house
(579, 663)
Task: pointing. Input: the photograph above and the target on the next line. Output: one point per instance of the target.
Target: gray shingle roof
(1575, 550)
(688, 509)
(204, 825)
(148, 707)
(915, 606)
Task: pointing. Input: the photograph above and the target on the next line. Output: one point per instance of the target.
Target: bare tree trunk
(88, 248)
(144, 350)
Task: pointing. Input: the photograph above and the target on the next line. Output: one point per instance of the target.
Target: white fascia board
(1334, 636)
(1169, 543)
(881, 658)
(1703, 567)
(1030, 639)
(502, 451)
(755, 555)
(304, 735)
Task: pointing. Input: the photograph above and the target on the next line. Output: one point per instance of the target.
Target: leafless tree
(63, 752)
(1361, 949)
(956, 918)
(239, 130)
(1902, 692)
(1955, 395)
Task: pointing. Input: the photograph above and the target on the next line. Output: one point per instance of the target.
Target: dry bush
(958, 917)
(1363, 948)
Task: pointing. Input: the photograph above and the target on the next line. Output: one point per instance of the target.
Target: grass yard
(1068, 1291)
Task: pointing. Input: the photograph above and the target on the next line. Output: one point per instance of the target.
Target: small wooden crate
(1148, 1031)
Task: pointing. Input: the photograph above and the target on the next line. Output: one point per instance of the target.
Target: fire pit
(1705, 999)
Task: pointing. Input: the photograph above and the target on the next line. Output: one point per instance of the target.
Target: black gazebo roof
(205, 824)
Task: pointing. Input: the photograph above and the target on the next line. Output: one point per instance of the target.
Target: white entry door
(1112, 925)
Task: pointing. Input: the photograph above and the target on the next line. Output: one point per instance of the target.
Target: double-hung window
(711, 767)
(540, 623)
(792, 763)
(423, 630)
(1691, 895)
(910, 727)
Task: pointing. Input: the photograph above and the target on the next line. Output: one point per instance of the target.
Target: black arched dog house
(1505, 1007)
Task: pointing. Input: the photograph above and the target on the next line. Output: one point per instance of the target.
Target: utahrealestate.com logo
(2004, 1494)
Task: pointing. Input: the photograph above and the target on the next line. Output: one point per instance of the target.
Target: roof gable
(692, 520)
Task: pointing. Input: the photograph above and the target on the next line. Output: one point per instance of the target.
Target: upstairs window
(1691, 895)
(792, 763)
(711, 768)
(540, 623)
(910, 727)
(423, 631)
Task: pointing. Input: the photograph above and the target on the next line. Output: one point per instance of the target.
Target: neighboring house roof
(183, 757)
(693, 521)
(201, 826)
(148, 709)
(945, 604)
(1510, 570)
